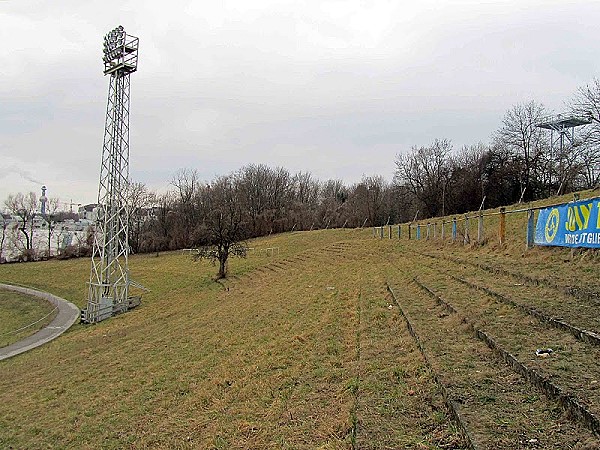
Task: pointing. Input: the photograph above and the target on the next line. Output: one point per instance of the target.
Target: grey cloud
(336, 88)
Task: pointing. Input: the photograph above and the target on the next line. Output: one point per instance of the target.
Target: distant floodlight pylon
(109, 278)
(564, 127)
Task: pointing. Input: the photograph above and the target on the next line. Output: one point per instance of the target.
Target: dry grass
(398, 402)
(499, 408)
(549, 263)
(271, 362)
(573, 366)
(298, 350)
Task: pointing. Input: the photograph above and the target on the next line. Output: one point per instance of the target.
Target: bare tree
(305, 197)
(3, 227)
(333, 195)
(586, 104)
(466, 188)
(520, 134)
(375, 187)
(306, 189)
(60, 234)
(50, 217)
(426, 172)
(156, 234)
(356, 206)
(139, 200)
(24, 207)
(255, 182)
(187, 183)
(223, 230)
(589, 165)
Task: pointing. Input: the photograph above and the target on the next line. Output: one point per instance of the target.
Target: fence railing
(459, 228)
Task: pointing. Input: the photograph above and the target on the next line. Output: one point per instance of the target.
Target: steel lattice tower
(109, 277)
(564, 126)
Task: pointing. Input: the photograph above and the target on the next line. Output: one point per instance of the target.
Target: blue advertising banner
(575, 224)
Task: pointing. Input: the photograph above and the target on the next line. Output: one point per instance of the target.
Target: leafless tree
(187, 183)
(589, 165)
(306, 189)
(426, 172)
(586, 104)
(157, 234)
(3, 227)
(305, 198)
(50, 217)
(466, 188)
(521, 135)
(139, 200)
(333, 194)
(60, 234)
(24, 207)
(223, 229)
(375, 187)
(254, 183)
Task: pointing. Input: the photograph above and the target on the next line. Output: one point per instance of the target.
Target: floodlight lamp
(119, 52)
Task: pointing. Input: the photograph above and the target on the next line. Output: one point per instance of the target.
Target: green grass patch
(22, 315)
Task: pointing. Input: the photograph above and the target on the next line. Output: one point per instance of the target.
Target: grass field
(22, 315)
(310, 349)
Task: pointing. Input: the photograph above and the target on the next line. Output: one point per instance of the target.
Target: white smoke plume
(13, 168)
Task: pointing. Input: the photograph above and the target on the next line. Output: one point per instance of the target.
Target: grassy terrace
(308, 349)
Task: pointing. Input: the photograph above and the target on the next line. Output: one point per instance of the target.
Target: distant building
(39, 221)
(89, 212)
(6, 218)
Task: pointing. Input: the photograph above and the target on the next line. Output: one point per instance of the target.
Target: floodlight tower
(564, 127)
(109, 277)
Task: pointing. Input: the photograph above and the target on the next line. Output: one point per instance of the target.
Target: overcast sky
(337, 88)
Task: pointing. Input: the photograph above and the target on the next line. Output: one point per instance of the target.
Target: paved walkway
(67, 315)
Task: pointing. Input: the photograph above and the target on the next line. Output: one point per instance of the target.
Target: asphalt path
(67, 315)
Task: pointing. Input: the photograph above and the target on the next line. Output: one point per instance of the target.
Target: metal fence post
(434, 230)
(399, 230)
(381, 232)
(427, 232)
(418, 235)
(480, 228)
(390, 232)
(466, 238)
(443, 230)
(409, 231)
(454, 229)
(502, 229)
(530, 228)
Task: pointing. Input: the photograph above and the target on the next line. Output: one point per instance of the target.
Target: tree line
(522, 162)
(258, 200)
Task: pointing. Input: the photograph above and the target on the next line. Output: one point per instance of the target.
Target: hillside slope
(310, 348)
